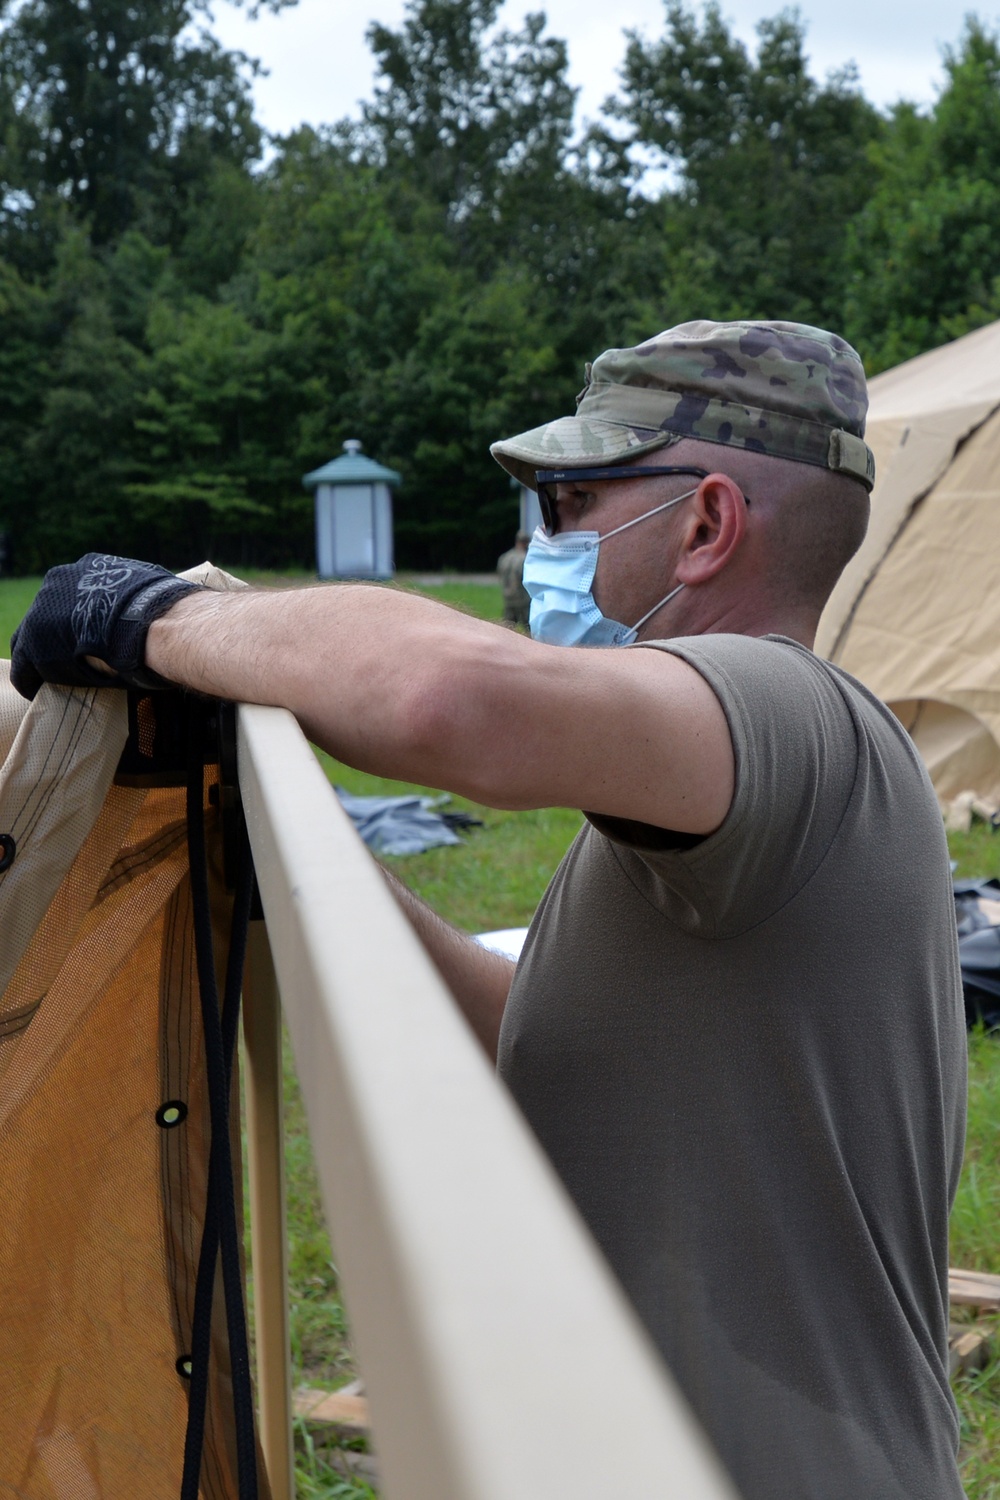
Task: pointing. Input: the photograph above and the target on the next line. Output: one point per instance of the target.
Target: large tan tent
(916, 616)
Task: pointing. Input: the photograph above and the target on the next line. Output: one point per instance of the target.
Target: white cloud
(320, 65)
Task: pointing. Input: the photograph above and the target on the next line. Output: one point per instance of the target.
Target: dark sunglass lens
(547, 505)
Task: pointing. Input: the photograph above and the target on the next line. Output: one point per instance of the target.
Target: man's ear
(716, 526)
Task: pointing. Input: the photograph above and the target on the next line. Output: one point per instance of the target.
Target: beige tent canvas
(104, 1114)
(916, 615)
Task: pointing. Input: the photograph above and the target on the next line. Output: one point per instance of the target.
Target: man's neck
(700, 616)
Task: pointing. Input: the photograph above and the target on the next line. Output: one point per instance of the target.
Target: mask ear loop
(650, 613)
(644, 517)
(624, 527)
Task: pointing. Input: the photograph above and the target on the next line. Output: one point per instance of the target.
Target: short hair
(817, 519)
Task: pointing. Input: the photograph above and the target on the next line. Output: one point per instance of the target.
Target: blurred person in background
(510, 571)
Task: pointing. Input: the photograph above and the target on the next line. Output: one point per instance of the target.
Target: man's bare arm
(479, 979)
(404, 687)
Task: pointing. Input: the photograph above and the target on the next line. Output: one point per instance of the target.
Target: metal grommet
(9, 850)
(184, 1366)
(173, 1112)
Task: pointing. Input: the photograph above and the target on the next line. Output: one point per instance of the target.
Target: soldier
(737, 1025)
(510, 570)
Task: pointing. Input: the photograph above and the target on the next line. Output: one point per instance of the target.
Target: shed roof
(352, 467)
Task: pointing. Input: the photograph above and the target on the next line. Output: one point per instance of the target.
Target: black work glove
(100, 606)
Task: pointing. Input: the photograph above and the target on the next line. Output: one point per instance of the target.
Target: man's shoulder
(751, 660)
(806, 700)
(750, 664)
(823, 771)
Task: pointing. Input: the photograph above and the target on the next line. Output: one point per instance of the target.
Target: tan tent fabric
(916, 616)
(101, 1206)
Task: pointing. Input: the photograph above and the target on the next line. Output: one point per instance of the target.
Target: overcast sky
(320, 67)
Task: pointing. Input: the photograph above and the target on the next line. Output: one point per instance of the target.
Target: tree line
(193, 316)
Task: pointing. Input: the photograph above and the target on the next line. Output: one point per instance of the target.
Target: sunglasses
(547, 481)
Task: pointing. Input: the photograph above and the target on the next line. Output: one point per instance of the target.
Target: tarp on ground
(916, 615)
(104, 1123)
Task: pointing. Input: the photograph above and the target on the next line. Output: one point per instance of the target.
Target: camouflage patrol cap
(784, 389)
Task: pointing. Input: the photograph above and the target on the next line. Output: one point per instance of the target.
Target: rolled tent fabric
(104, 1123)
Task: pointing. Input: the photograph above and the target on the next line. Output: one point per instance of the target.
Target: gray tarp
(403, 825)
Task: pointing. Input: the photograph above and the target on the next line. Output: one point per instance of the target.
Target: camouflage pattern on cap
(784, 389)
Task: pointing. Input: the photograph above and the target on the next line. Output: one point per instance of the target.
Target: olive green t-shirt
(745, 1056)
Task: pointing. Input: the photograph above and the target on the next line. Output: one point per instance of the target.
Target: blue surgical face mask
(559, 577)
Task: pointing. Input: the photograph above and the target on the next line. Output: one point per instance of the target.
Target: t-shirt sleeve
(795, 743)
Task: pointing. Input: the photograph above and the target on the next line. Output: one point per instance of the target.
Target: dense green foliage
(193, 317)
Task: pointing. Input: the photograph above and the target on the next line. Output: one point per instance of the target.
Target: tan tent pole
(500, 1356)
(268, 1237)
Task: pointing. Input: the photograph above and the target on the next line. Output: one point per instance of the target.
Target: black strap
(220, 1230)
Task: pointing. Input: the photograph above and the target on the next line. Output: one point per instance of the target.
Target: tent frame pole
(268, 1233)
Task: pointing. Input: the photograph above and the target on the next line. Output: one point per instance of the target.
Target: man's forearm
(362, 668)
(404, 687)
(479, 979)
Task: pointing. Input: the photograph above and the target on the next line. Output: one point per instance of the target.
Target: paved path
(435, 580)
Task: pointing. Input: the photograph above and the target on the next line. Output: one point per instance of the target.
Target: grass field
(495, 880)
(15, 596)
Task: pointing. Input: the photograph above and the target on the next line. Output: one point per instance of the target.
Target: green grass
(15, 596)
(978, 1397)
(975, 1220)
(494, 879)
(497, 876)
(480, 599)
(975, 1244)
(976, 852)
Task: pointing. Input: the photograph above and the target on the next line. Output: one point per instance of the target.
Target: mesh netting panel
(53, 784)
(12, 710)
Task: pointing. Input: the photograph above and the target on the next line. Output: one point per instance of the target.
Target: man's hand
(101, 607)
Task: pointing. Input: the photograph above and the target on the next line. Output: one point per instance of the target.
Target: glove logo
(97, 593)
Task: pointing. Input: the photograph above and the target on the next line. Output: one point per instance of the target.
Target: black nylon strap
(220, 1228)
